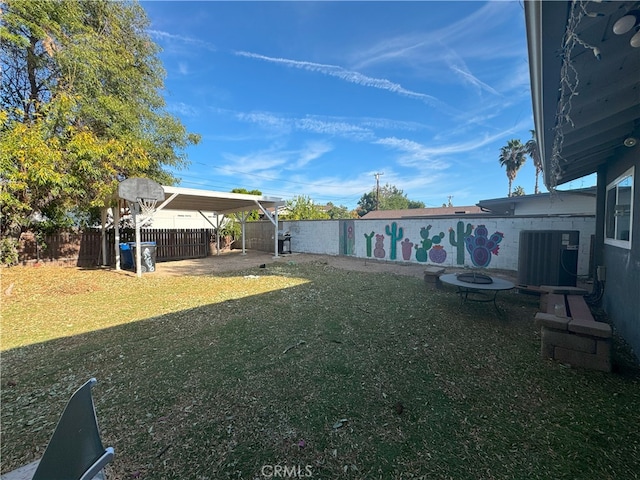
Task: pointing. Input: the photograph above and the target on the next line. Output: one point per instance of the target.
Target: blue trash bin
(126, 256)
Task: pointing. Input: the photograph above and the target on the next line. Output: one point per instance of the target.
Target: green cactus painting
(347, 239)
(422, 249)
(369, 243)
(460, 241)
(395, 235)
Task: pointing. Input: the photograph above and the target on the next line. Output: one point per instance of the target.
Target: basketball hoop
(142, 210)
(147, 206)
(142, 195)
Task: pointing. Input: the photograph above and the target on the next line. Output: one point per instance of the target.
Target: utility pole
(377, 175)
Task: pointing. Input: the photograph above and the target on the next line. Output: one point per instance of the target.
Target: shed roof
(507, 205)
(421, 212)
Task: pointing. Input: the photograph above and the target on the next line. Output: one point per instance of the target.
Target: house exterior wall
(440, 241)
(562, 204)
(621, 298)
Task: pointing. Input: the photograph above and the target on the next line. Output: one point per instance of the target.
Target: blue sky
(314, 98)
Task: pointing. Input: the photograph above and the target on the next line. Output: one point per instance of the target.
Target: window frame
(614, 185)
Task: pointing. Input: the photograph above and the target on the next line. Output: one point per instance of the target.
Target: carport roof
(179, 198)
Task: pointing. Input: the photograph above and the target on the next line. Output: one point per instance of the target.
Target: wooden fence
(84, 249)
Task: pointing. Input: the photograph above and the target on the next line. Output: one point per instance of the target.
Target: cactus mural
(407, 247)
(475, 240)
(347, 241)
(395, 235)
(460, 242)
(480, 246)
(369, 243)
(421, 250)
(438, 254)
(378, 251)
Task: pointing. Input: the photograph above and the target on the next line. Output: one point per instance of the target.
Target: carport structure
(221, 203)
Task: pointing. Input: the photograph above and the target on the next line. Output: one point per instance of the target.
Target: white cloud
(414, 154)
(182, 109)
(343, 129)
(350, 76)
(266, 120)
(267, 161)
(469, 33)
(313, 124)
(181, 39)
(183, 68)
(275, 159)
(459, 67)
(518, 81)
(311, 152)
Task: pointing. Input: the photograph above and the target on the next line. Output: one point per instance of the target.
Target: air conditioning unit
(548, 257)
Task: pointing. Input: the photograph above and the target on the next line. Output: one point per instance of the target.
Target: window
(619, 210)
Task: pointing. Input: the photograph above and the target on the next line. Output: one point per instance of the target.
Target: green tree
(81, 108)
(531, 147)
(302, 207)
(253, 214)
(367, 203)
(518, 191)
(390, 198)
(340, 212)
(232, 225)
(512, 157)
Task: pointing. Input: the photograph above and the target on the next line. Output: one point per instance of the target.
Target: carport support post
(218, 233)
(116, 229)
(103, 236)
(138, 252)
(276, 235)
(215, 227)
(243, 221)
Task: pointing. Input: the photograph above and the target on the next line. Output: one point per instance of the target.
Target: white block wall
(313, 236)
(322, 237)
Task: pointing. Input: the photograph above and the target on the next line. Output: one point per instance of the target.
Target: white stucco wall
(313, 236)
(572, 204)
(323, 237)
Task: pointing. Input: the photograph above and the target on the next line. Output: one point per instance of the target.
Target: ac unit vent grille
(548, 257)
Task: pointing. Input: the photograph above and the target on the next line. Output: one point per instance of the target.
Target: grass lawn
(334, 373)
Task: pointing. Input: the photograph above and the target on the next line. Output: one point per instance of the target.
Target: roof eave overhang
(545, 24)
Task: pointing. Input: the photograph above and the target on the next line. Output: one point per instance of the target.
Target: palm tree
(532, 150)
(512, 157)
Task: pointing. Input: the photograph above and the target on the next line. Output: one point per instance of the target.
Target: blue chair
(75, 451)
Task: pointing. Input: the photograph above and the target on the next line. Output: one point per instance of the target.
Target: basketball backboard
(137, 188)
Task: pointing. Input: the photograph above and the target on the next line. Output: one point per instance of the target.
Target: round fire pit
(476, 278)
